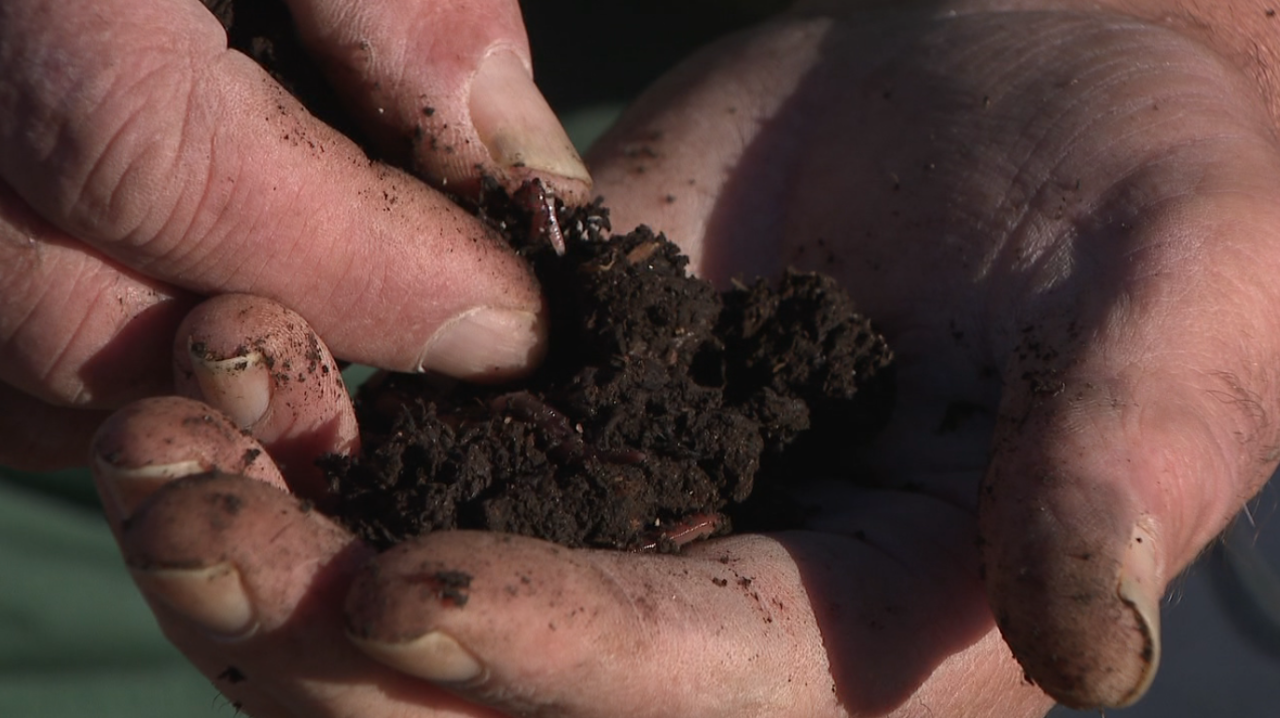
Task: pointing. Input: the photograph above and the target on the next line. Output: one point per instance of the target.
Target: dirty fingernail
(127, 487)
(516, 124)
(239, 386)
(1140, 589)
(435, 656)
(485, 343)
(213, 598)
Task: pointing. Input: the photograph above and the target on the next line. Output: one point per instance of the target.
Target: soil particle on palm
(661, 402)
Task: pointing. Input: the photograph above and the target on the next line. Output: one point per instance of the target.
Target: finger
(716, 140)
(746, 626)
(77, 329)
(248, 583)
(452, 81)
(35, 436)
(184, 160)
(1125, 448)
(263, 366)
(153, 442)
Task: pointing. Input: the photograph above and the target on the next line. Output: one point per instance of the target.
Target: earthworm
(687, 530)
(564, 442)
(535, 198)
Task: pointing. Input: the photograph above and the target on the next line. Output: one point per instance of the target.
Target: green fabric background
(76, 638)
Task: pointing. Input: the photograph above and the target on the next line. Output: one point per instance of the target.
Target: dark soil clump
(663, 411)
(661, 406)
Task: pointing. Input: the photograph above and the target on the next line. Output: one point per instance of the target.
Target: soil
(665, 411)
(662, 409)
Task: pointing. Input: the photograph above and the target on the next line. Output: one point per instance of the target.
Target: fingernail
(484, 343)
(435, 656)
(516, 124)
(240, 386)
(127, 487)
(1140, 588)
(213, 598)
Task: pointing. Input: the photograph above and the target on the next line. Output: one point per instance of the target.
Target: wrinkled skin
(1064, 222)
(143, 165)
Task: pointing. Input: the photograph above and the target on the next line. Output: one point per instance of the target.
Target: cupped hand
(1060, 216)
(143, 164)
(290, 615)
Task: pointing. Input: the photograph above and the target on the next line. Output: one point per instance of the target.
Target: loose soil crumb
(661, 406)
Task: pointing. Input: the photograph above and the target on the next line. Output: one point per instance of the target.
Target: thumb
(533, 629)
(749, 625)
(1133, 426)
(453, 82)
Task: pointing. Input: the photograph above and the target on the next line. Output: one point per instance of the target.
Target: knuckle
(106, 141)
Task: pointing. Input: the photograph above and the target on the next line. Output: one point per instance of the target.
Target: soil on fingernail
(665, 410)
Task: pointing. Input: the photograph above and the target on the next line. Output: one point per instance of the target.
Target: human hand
(1059, 215)
(1061, 221)
(143, 165)
(250, 581)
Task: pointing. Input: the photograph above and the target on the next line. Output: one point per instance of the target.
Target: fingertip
(152, 442)
(263, 365)
(453, 86)
(434, 656)
(1074, 566)
(122, 489)
(380, 609)
(222, 548)
(468, 611)
(521, 132)
(525, 625)
(1087, 635)
(487, 344)
(212, 598)
(239, 385)
(248, 582)
(1140, 589)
